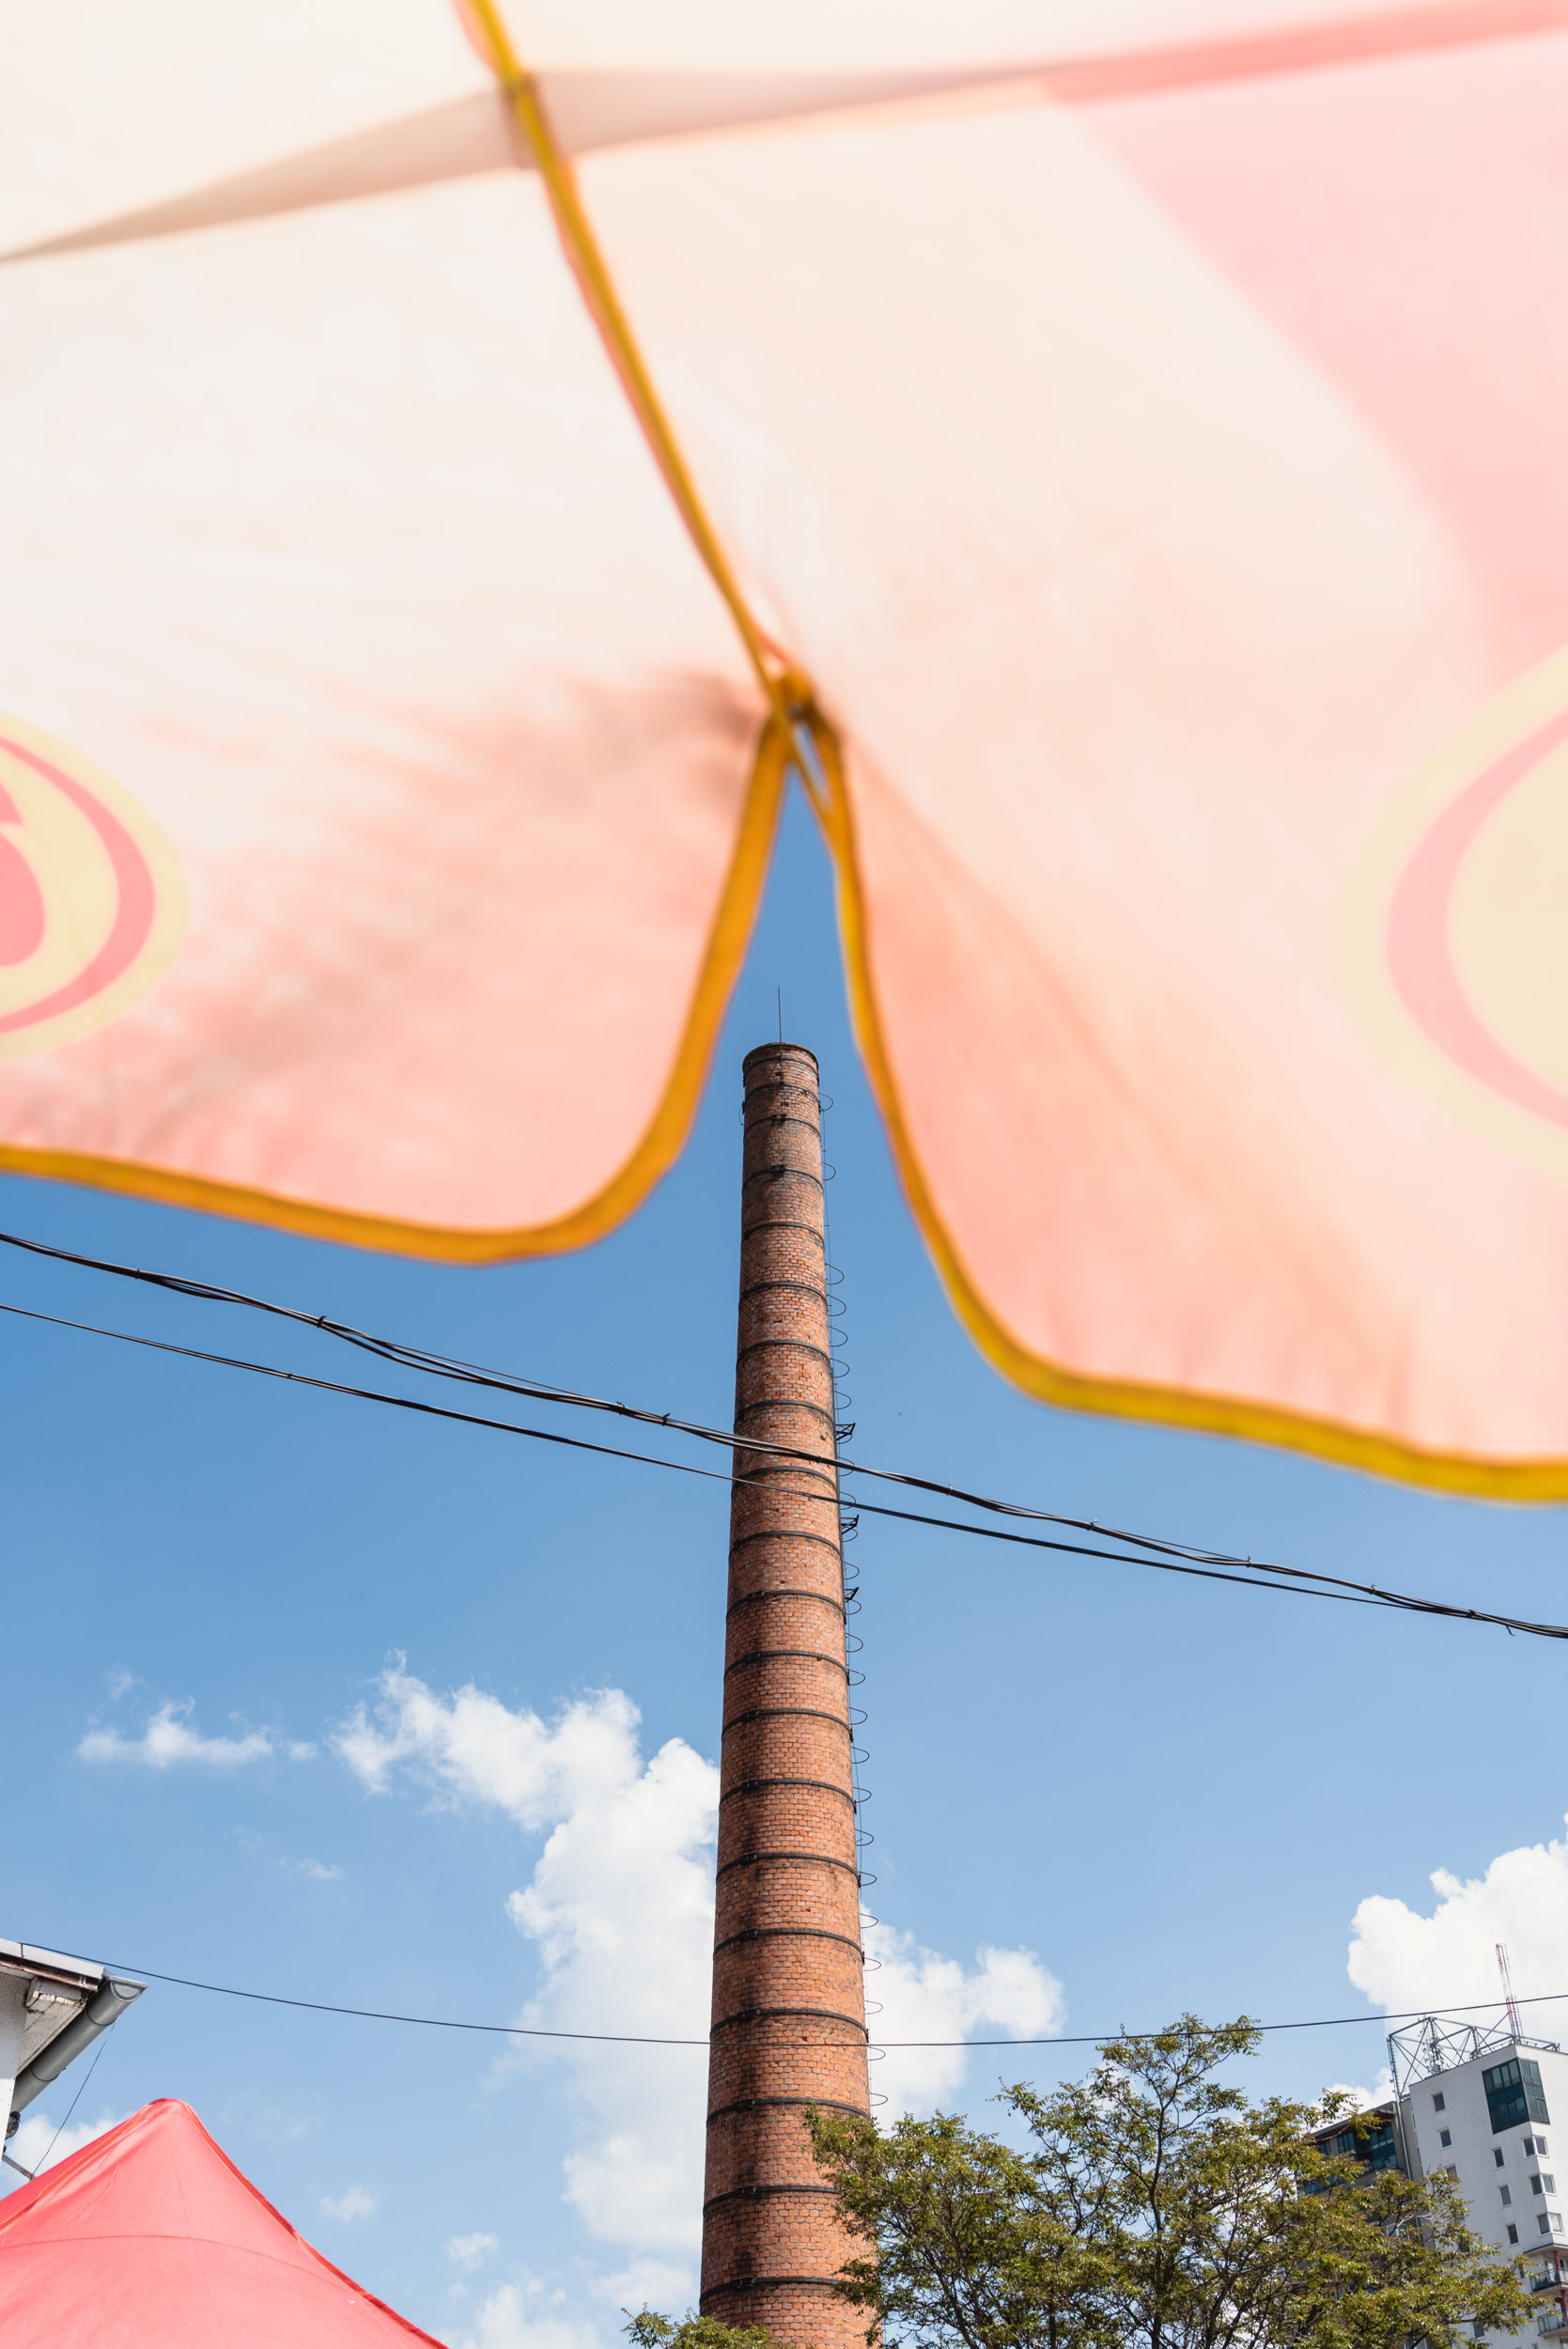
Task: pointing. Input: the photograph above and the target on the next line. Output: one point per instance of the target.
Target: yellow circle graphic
(92, 906)
(1457, 935)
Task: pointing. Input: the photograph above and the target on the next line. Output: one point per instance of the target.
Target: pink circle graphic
(1419, 937)
(22, 904)
(23, 915)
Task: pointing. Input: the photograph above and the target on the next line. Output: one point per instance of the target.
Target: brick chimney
(788, 1984)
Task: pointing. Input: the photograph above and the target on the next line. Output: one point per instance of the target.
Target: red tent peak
(151, 2238)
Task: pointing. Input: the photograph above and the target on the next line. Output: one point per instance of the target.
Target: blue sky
(1169, 1794)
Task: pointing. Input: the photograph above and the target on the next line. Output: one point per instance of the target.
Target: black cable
(373, 1394)
(1302, 1584)
(1347, 1593)
(629, 2039)
(428, 2022)
(471, 1374)
(69, 2110)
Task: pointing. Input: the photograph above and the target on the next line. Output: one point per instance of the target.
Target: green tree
(1153, 2208)
(969, 2242)
(648, 2330)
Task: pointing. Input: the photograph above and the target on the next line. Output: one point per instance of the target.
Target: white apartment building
(1490, 2108)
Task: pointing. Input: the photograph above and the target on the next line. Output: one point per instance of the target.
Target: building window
(1451, 2172)
(1556, 2218)
(1506, 2193)
(1437, 2104)
(1514, 2094)
(1544, 2223)
(1445, 2137)
(1535, 2183)
(1540, 2144)
(1513, 2234)
(1548, 2181)
(1497, 2156)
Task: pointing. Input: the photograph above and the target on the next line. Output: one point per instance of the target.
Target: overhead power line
(406, 1357)
(1302, 1582)
(1161, 1558)
(637, 2039)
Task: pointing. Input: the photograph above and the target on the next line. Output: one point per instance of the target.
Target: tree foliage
(1152, 2207)
(648, 2330)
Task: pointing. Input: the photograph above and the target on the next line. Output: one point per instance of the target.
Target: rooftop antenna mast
(1507, 1988)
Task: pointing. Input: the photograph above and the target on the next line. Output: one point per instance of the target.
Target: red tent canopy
(151, 2238)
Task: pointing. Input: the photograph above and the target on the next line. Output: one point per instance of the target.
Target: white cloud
(469, 2251)
(472, 1747)
(1404, 1959)
(314, 1871)
(358, 2201)
(620, 1908)
(646, 2283)
(1354, 2098)
(278, 2126)
(525, 2316)
(1007, 1994)
(35, 2137)
(170, 1738)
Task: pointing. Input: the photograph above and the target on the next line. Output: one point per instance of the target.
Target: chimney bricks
(788, 1987)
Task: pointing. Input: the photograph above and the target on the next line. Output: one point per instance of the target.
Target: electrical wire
(1166, 1557)
(1301, 1582)
(632, 2039)
(31, 2174)
(472, 1374)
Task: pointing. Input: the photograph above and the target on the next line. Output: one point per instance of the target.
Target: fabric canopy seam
(661, 1143)
(604, 307)
(792, 705)
(739, 898)
(1463, 1474)
(792, 699)
(22, 2204)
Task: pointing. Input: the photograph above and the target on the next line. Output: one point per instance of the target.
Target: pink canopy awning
(1134, 433)
(151, 2238)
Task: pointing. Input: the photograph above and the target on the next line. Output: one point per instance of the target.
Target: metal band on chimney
(789, 2017)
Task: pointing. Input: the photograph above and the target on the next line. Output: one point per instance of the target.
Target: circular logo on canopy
(91, 902)
(1460, 932)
